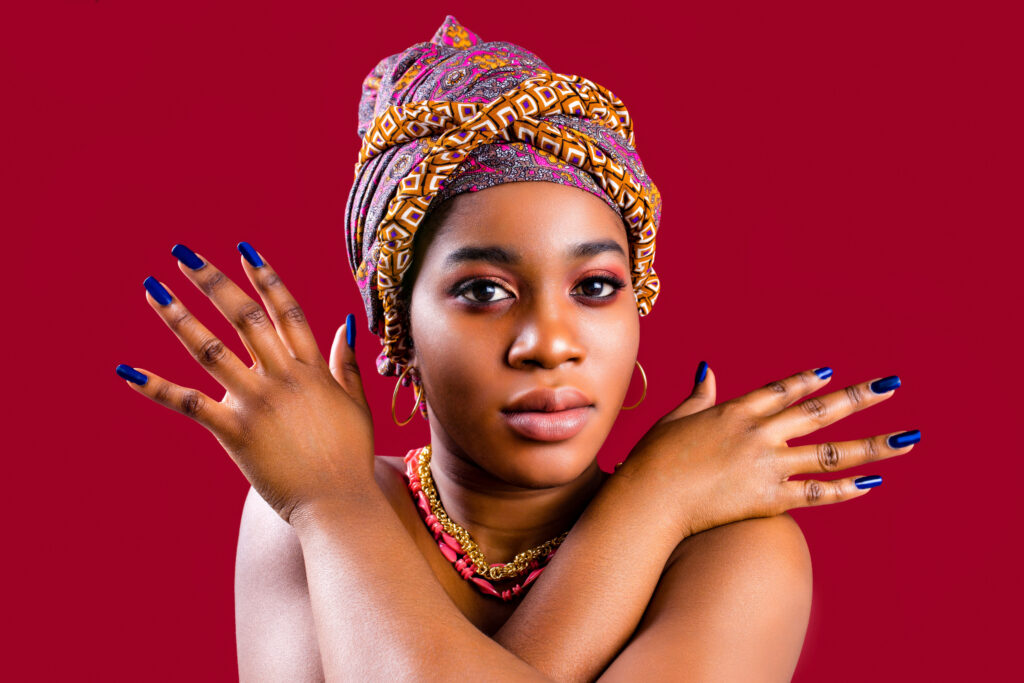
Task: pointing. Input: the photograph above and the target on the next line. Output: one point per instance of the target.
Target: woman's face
(520, 287)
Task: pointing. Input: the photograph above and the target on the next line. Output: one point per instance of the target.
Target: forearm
(585, 606)
(379, 611)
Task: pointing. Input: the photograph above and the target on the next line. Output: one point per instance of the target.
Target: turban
(457, 114)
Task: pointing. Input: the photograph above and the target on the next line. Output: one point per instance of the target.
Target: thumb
(343, 363)
(701, 397)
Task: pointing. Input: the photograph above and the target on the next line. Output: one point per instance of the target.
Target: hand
(298, 429)
(729, 462)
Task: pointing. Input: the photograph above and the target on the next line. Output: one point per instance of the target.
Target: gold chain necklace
(515, 568)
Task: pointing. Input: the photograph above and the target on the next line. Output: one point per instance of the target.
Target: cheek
(454, 351)
(613, 346)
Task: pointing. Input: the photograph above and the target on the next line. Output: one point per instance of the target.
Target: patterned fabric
(459, 115)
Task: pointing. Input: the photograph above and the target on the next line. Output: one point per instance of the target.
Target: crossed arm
(734, 604)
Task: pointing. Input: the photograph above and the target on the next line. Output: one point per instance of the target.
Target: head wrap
(459, 115)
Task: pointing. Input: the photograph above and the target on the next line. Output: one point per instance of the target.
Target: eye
(594, 286)
(482, 291)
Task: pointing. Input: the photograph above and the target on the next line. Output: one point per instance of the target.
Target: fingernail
(250, 254)
(823, 373)
(157, 291)
(904, 438)
(702, 371)
(187, 256)
(131, 374)
(886, 384)
(350, 331)
(867, 482)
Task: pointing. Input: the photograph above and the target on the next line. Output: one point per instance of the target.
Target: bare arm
(379, 611)
(590, 599)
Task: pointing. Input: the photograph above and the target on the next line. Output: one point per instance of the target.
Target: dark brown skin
(550, 321)
(707, 480)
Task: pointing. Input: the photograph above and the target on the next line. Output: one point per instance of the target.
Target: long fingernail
(702, 371)
(823, 373)
(868, 482)
(886, 384)
(250, 254)
(350, 331)
(187, 256)
(131, 374)
(904, 438)
(157, 291)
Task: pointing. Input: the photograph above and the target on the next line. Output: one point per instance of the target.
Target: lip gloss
(548, 426)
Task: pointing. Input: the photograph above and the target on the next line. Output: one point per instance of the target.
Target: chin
(536, 464)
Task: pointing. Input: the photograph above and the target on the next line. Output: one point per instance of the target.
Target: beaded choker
(458, 546)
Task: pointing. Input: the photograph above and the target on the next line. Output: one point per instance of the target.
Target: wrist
(656, 484)
(340, 507)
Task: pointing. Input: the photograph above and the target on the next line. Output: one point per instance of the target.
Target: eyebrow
(500, 255)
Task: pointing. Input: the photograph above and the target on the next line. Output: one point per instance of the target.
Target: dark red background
(841, 187)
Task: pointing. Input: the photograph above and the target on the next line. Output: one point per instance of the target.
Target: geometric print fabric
(514, 116)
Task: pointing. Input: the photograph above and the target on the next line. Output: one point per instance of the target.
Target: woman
(514, 314)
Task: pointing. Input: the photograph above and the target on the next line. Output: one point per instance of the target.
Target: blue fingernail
(881, 386)
(350, 331)
(702, 371)
(187, 256)
(157, 291)
(904, 438)
(131, 374)
(869, 482)
(250, 254)
(823, 373)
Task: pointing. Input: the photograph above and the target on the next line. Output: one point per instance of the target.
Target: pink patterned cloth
(456, 66)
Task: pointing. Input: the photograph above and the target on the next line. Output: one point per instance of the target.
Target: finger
(818, 411)
(292, 326)
(244, 314)
(343, 363)
(210, 352)
(774, 396)
(811, 492)
(189, 402)
(702, 395)
(842, 455)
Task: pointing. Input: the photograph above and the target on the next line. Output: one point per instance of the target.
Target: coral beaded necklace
(459, 547)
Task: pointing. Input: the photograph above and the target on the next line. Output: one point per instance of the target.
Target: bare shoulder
(733, 604)
(274, 627)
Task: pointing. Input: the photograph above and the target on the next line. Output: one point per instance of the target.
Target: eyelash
(464, 287)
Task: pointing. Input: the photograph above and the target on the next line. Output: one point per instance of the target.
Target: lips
(548, 414)
(548, 400)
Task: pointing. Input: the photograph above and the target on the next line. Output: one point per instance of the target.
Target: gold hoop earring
(643, 395)
(394, 397)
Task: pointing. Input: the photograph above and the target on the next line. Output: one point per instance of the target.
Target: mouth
(548, 414)
(548, 425)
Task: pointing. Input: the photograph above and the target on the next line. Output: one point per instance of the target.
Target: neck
(505, 519)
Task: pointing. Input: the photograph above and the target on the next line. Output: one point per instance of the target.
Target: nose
(547, 334)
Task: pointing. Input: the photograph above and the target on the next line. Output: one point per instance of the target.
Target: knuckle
(871, 450)
(776, 387)
(212, 282)
(813, 491)
(293, 316)
(828, 456)
(163, 393)
(291, 382)
(352, 369)
(753, 427)
(814, 408)
(855, 394)
(269, 281)
(180, 321)
(211, 351)
(251, 315)
(192, 403)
